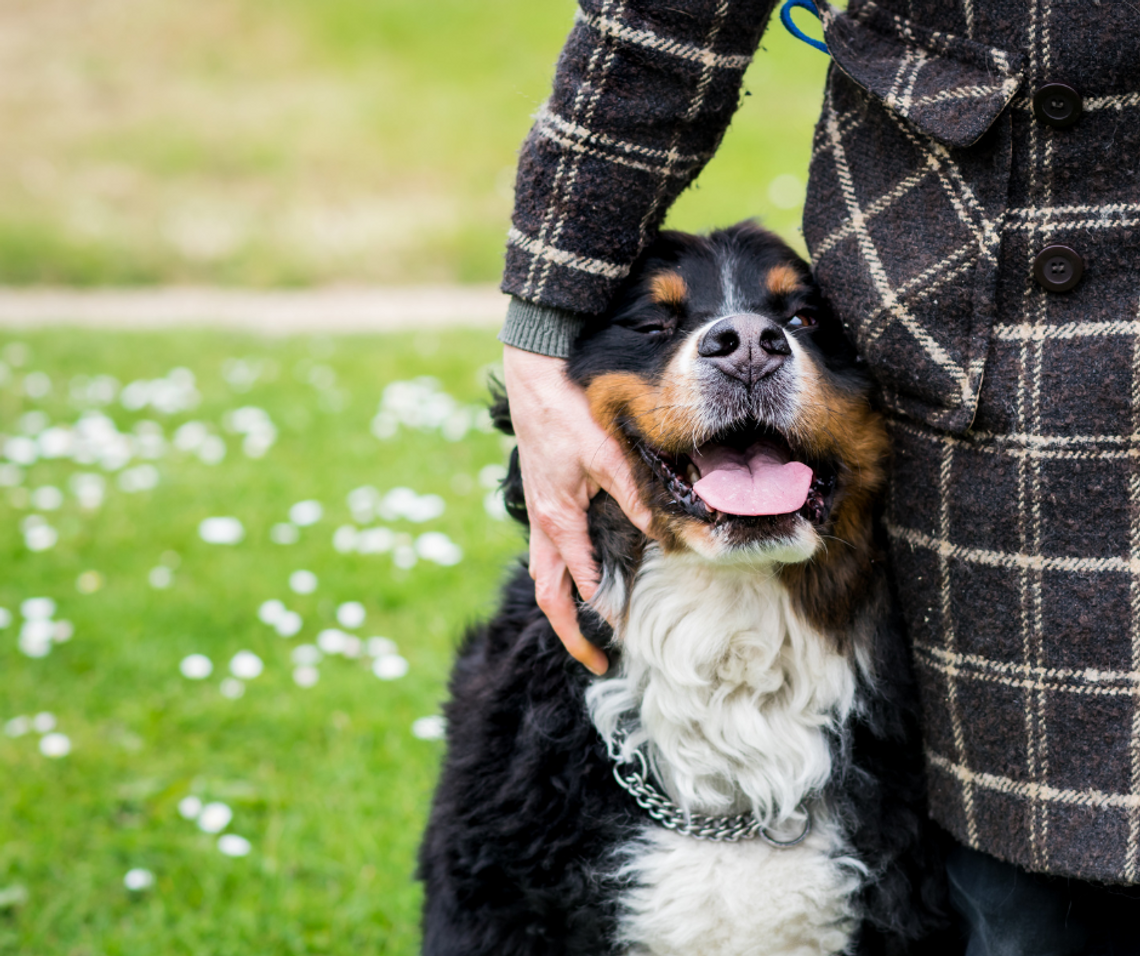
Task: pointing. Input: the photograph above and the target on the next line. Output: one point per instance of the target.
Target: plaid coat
(941, 173)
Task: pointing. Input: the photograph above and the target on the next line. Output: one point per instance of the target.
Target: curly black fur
(515, 861)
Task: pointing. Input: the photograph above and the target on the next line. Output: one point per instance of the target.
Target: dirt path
(277, 312)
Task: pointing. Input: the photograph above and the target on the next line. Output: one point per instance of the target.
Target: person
(972, 214)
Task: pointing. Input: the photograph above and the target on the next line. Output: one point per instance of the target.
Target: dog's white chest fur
(732, 695)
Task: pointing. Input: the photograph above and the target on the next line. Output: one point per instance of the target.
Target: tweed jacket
(939, 178)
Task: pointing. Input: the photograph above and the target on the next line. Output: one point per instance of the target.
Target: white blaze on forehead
(728, 288)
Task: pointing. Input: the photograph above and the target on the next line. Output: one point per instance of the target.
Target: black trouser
(1011, 912)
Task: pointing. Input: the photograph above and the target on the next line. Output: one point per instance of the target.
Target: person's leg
(1011, 912)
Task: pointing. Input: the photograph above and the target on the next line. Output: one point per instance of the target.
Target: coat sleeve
(643, 93)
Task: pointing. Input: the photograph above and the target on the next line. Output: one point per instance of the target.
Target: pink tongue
(757, 481)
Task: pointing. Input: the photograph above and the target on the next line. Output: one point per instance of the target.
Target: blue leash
(786, 20)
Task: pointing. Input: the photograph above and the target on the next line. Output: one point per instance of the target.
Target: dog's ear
(512, 486)
(500, 407)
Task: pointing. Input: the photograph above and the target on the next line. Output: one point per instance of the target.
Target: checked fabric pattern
(1014, 514)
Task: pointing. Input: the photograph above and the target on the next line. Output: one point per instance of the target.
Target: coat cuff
(540, 328)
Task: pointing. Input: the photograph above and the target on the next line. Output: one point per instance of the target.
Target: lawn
(295, 142)
(115, 451)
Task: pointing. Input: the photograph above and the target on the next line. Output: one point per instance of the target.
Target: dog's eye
(650, 325)
(801, 320)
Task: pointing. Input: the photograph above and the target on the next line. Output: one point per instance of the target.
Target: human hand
(566, 458)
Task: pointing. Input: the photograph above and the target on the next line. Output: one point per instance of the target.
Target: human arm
(566, 458)
(643, 94)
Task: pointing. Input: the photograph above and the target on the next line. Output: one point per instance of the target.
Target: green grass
(328, 783)
(295, 142)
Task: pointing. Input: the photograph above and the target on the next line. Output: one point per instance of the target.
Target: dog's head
(736, 398)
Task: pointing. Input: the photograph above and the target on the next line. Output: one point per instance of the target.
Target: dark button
(1057, 104)
(1058, 268)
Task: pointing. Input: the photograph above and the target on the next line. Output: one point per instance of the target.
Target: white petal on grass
(284, 532)
(438, 547)
(196, 667)
(379, 646)
(256, 444)
(390, 667)
(306, 676)
(89, 582)
(404, 557)
(47, 498)
(305, 513)
(494, 506)
(56, 442)
(55, 745)
(362, 503)
(139, 478)
(306, 655)
(425, 508)
(21, 450)
(246, 665)
(331, 640)
(62, 631)
(212, 450)
(11, 476)
(89, 488)
(289, 624)
(345, 538)
(375, 541)
(786, 191)
(233, 845)
(17, 726)
(491, 476)
(222, 530)
(160, 577)
(353, 646)
(138, 879)
(38, 608)
(350, 614)
(41, 537)
(397, 503)
(189, 807)
(189, 437)
(231, 688)
(34, 422)
(302, 582)
(44, 722)
(270, 611)
(215, 817)
(35, 637)
(430, 728)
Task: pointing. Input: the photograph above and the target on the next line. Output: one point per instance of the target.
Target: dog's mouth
(747, 472)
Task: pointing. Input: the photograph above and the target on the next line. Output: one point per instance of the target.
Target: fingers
(611, 471)
(553, 589)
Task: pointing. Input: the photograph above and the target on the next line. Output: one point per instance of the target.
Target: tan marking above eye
(668, 288)
(783, 279)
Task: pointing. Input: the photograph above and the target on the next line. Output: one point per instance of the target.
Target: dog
(746, 778)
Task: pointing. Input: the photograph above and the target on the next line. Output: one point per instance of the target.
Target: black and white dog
(747, 778)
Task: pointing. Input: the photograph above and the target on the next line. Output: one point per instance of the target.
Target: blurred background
(234, 566)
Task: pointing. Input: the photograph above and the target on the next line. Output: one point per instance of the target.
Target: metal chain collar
(633, 776)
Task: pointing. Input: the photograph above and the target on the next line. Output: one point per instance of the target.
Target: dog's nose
(745, 347)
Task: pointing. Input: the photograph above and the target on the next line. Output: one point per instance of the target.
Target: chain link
(633, 776)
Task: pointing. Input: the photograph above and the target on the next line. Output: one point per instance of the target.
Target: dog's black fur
(517, 858)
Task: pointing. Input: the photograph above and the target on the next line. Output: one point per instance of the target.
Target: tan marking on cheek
(666, 413)
(668, 288)
(783, 279)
